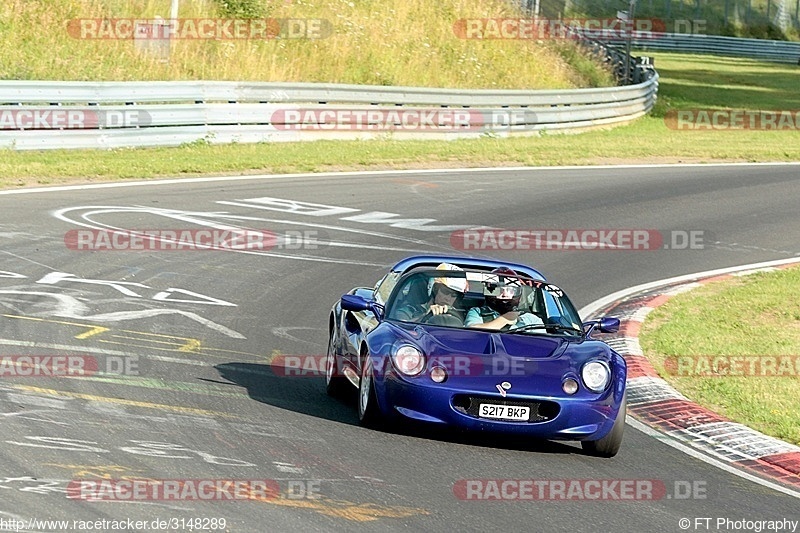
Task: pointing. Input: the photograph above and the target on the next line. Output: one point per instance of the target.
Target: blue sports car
(480, 345)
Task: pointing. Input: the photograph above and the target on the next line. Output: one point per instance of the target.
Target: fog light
(570, 386)
(438, 374)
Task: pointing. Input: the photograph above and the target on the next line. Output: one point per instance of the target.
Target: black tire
(369, 414)
(609, 445)
(335, 383)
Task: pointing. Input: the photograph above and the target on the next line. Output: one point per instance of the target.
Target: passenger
(501, 310)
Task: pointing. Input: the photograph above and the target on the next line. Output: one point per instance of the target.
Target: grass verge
(368, 42)
(750, 317)
(687, 82)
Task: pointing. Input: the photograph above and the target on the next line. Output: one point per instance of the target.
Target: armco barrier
(778, 51)
(221, 112)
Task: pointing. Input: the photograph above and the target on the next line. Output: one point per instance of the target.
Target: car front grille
(540, 411)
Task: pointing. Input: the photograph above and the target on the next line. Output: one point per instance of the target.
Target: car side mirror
(606, 324)
(352, 302)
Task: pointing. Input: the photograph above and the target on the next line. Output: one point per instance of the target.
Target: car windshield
(507, 303)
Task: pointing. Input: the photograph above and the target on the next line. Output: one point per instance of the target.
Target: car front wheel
(368, 412)
(609, 445)
(335, 383)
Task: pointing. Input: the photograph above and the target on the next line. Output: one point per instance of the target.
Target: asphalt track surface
(203, 401)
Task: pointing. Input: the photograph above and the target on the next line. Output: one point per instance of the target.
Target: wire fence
(762, 19)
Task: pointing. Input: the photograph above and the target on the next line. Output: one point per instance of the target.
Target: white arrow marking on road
(55, 277)
(70, 307)
(164, 296)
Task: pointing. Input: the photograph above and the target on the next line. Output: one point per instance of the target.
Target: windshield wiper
(545, 326)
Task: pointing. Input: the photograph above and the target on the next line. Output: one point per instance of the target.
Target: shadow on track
(302, 394)
(306, 394)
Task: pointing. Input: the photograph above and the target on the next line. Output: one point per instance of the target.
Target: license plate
(505, 412)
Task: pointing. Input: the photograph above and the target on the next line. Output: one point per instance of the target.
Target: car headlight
(408, 360)
(596, 375)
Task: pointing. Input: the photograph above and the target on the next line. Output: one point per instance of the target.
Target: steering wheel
(446, 319)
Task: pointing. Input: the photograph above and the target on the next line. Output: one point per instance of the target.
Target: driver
(500, 309)
(445, 294)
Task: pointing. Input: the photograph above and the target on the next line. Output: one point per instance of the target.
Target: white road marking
(417, 224)
(340, 228)
(371, 217)
(297, 207)
(55, 277)
(164, 296)
(70, 307)
(193, 218)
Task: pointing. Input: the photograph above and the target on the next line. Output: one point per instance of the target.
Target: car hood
(435, 340)
(477, 362)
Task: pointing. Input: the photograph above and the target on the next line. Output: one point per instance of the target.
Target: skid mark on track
(100, 471)
(122, 401)
(354, 512)
(415, 184)
(283, 333)
(158, 383)
(152, 341)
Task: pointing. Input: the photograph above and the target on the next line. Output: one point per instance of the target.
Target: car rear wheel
(609, 445)
(335, 383)
(368, 412)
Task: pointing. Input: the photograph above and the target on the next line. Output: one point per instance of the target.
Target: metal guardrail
(778, 51)
(174, 113)
(92, 93)
(43, 115)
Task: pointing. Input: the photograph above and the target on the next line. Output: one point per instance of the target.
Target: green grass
(726, 83)
(686, 82)
(749, 316)
(370, 42)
